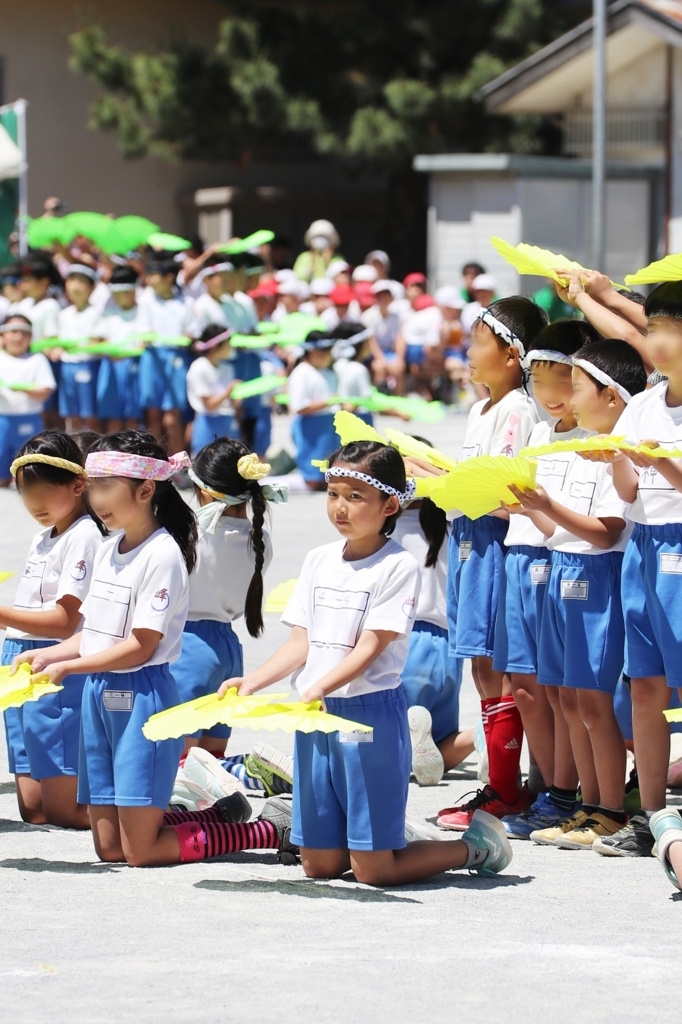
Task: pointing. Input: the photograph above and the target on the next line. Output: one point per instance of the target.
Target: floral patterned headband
(134, 467)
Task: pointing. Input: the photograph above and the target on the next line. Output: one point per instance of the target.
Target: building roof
(635, 28)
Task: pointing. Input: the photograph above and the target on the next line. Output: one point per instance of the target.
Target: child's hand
(608, 456)
(55, 673)
(229, 684)
(36, 660)
(513, 509)
(644, 461)
(595, 283)
(532, 501)
(312, 695)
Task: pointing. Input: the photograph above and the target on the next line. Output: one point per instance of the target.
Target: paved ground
(559, 936)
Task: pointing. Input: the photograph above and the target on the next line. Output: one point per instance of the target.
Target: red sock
(179, 817)
(199, 841)
(486, 703)
(504, 747)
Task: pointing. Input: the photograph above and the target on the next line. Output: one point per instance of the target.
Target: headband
(603, 378)
(80, 268)
(128, 286)
(548, 355)
(48, 460)
(16, 325)
(214, 268)
(402, 496)
(208, 516)
(502, 331)
(204, 346)
(134, 467)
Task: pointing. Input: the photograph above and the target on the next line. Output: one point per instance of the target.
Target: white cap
(325, 228)
(286, 275)
(394, 287)
(337, 267)
(292, 286)
(321, 286)
(484, 283)
(449, 296)
(380, 256)
(364, 273)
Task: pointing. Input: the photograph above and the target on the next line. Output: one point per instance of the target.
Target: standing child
(499, 425)
(351, 353)
(38, 274)
(118, 391)
(211, 380)
(311, 384)
(26, 383)
(42, 736)
(351, 614)
(78, 377)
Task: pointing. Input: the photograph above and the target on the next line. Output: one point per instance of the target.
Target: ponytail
(253, 606)
(175, 515)
(434, 524)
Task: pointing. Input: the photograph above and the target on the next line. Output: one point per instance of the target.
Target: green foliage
(379, 80)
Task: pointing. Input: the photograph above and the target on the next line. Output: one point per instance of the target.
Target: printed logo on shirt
(539, 574)
(409, 606)
(650, 479)
(79, 571)
(161, 600)
(574, 590)
(671, 563)
(510, 437)
(465, 548)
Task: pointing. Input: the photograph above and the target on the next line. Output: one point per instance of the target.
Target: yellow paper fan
(351, 428)
(673, 715)
(409, 447)
(479, 486)
(601, 444)
(22, 687)
(297, 717)
(667, 269)
(321, 464)
(530, 259)
(278, 598)
(201, 713)
(5, 576)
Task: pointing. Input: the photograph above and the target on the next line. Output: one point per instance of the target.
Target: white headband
(16, 325)
(502, 331)
(214, 268)
(603, 378)
(402, 496)
(548, 355)
(127, 287)
(80, 268)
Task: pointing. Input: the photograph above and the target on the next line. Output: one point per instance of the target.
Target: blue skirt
(314, 438)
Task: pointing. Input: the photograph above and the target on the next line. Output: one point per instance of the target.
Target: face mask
(319, 242)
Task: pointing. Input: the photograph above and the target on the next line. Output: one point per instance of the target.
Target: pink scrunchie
(134, 467)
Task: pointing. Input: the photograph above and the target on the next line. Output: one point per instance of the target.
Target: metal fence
(629, 131)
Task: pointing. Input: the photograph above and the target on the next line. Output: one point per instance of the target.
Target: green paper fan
(42, 232)
(250, 341)
(267, 327)
(258, 386)
(44, 344)
(239, 245)
(18, 386)
(169, 243)
(125, 234)
(90, 225)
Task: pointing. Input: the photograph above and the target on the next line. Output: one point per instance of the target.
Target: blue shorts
(414, 355)
(207, 428)
(43, 735)
(475, 566)
(262, 432)
(15, 431)
(652, 602)
(78, 388)
(432, 678)
(350, 795)
(211, 653)
(582, 637)
(314, 438)
(622, 706)
(118, 392)
(163, 378)
(522, 593)
(118, 766)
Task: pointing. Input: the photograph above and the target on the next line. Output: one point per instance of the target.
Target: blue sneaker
(487, 833)
(543, 814)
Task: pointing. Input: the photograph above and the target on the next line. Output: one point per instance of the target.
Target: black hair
(521, 316)
(216, 466)
(249, 262)
(40, 265)
(620, 360)
(470, 267)
(665, 300)
(11, 273)
(212, 331)
(565, 336)
(433, 522)
(377, 460)
(12, 317)
(85, 440)
(164, 264)
(169, 508)
(61, 446)
(124, 275)
(636, 297)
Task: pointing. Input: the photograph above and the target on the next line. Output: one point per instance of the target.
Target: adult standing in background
(322, 240)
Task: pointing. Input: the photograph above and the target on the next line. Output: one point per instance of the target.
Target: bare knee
(110, 855)
(368, 875)
(32, 816)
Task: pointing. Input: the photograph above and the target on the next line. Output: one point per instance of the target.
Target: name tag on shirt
(671, 563)
(574, 590)
(539, 574)
(465, 547)
(356, 737)
(117, 700)
(108, 608)
(30, 590)
(581, 494)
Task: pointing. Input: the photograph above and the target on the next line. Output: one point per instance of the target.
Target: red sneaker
(458, 819)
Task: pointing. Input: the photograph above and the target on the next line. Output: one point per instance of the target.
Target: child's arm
(370, 645)
(601, 533)
(213, 402)
(608, 323)
(600, 288)
(286, 659)
(129, 654)
(60, 621)
(67, 650)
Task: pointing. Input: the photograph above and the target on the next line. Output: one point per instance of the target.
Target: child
(118, 391)
(210, 381)
(351, 353)
(524, 585)
(351, 614)
(582, 633)
(38, 274)
(20, 409)
(78, 377)
(311, 384)
(208, 308)
(42, 736)
(499, 425)
(233, 553)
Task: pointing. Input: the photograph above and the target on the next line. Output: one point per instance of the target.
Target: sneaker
(675, 774)
(482, 751)
(546, 836)
(632, 840)
(234, 808)
(203, 768)
(582, 837)
(542, 814)
(278, 813)
(271, 767)
(415, 833)
(487, 833)
(458, 819)
(427, 760)
(666, 828)
(632, 801)
(189, 794)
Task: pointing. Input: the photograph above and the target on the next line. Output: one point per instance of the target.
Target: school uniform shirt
(204, 380)
(57, 567)
(423, 327)
(335, 600)
(43, 316)
(168, 317)
(225, 562)
(307, 385)
(116, 325)
(353, 379)
(589, 490)
(552, 471)
(431, 606)
(332, 319)
(29, 369)
(146, 588)
(77, 325)
(647, 417)
(236, 311)
(384, 328)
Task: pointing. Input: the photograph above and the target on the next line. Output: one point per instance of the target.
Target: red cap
(416, 278)
(364, 294)
(264, 290)
(423, 302)
(342, 295)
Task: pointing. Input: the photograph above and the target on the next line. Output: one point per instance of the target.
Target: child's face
(34, 287)
(50, 504)
(161, 284)
(16, 343)
(124, 300)
(320, 358)
(118, 503)
(488, 360)
(290, 303)
(594, 408)
(220, 353)
(78, 290)
(321, 302)
(215, 285)
(664, 344)
(553, 389)
(356, 509)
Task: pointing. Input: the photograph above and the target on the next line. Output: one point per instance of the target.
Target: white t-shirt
(307, 385)
(588, 489)
(431, 606)
(77, 325)
(168, 317)
(353, 379)
(146, 588)
(331, 317)
(219, 583)
(552, 471)
(423, 327)
(43, 316)
(385, 329)
(204, 380)
(236, 311)
(116, 325)
(57, 567)
(335, 600)
(647, 417)
(29, 369)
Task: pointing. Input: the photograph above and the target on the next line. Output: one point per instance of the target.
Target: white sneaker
(427, 760)
(415, 833)
(203, 768)
(190, 794)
